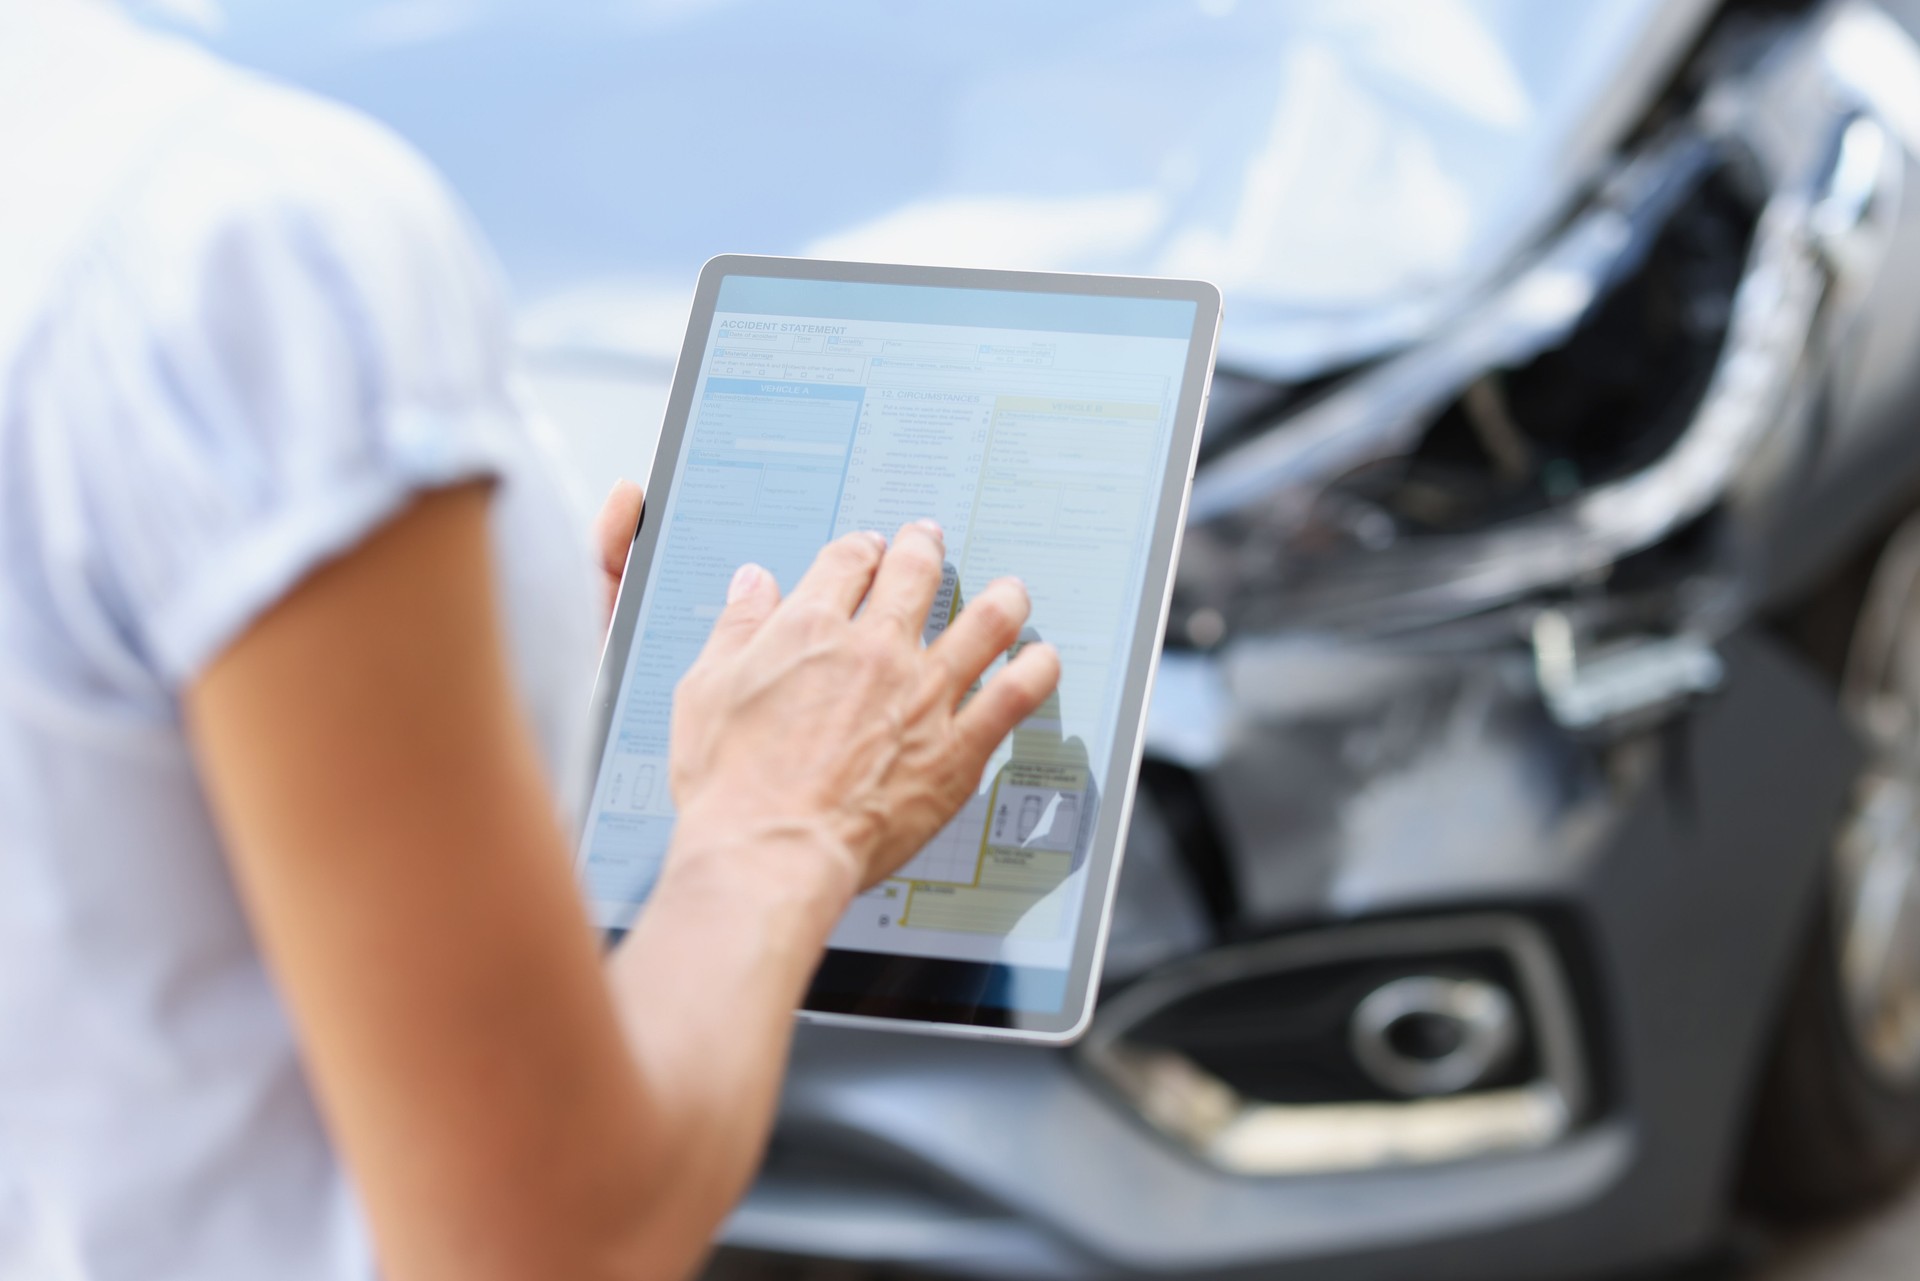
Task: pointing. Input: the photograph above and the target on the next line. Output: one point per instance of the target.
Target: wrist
(802, 868)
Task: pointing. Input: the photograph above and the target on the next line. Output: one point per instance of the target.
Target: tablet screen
(1035, 428)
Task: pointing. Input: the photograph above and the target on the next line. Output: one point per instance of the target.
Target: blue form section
(797, 437)
(928, 305)
(766, 464)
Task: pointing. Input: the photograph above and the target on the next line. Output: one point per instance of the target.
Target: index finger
(842, 572)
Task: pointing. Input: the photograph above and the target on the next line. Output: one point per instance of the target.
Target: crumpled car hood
(1349, 171)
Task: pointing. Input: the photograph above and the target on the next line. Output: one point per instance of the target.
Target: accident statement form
(1037, 444)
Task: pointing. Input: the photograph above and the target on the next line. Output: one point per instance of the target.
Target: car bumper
(1678, 923)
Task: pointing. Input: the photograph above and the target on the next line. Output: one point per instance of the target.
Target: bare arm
(511, 1105)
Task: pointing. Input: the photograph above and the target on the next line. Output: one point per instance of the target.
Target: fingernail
(745, 579)
(875, 537)
(932, 526)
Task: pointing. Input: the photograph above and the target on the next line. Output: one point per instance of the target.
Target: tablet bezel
(877, 1008)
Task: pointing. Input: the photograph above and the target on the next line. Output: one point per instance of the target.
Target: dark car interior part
(1454, 451)
(1606, 403)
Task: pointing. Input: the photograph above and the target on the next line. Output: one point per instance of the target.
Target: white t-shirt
(239, 328)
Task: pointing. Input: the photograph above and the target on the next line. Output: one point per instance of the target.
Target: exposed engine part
(1627, 684)
(1487, 411)
(1642, 373)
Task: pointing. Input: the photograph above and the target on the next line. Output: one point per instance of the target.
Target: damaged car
(1525, 877)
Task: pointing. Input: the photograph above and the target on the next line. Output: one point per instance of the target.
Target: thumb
(751, 597)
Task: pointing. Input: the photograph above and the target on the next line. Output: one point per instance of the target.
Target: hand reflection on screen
(1040, 805)
(1007, 872)
(1043, 805)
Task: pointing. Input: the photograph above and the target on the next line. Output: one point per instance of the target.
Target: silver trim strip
(1247, 1137)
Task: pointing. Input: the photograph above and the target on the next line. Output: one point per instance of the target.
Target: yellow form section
(1037, 809)
(1064, 483)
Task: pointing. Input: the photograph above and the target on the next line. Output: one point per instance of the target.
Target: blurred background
(1523, 882)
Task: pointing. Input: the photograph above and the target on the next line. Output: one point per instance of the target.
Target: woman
(294, 651)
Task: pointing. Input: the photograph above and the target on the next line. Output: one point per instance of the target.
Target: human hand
(801, 722)
(613, 533)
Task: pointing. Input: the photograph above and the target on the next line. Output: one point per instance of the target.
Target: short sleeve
(287, 333)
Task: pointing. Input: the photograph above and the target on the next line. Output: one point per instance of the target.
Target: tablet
(1050, 424)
